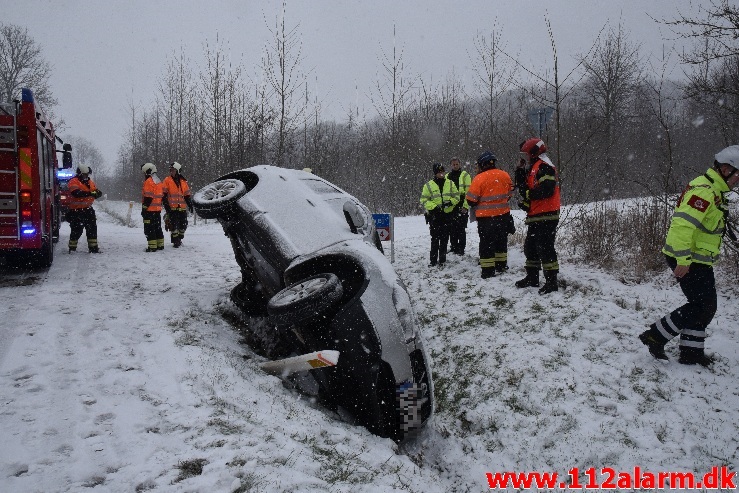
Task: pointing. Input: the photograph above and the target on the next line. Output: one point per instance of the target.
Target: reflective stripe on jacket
(697, 225)
(80, 202)
(490, 191)
(175, 195)
(152, 191)
(549, 204)
(431, 196)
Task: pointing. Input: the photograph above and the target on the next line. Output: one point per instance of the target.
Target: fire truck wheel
(45, 256)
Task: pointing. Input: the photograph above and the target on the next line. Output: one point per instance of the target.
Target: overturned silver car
(312, 265)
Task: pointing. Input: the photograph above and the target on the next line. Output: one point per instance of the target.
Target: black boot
(694, 356)
(655, 344)
(531, 280)
(488, 272)
(550, 283)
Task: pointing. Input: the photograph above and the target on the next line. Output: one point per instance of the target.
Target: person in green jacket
(691, 248)
(438, 198)
(461, 213)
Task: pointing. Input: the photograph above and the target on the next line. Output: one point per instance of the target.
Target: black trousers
(690, 320)
(539, 246)
(458, 230)
(153, 229)
(439, 229)
(79, 220)
(177, 224)
(493, 232)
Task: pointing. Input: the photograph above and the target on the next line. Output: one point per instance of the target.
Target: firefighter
(538, 183)
(438, 198)
(488, 196)
(81, 215)
(177, 201)
(460, 214)
(151, 208)
(691, 248)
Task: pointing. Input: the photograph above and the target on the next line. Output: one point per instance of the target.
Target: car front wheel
(305, 299)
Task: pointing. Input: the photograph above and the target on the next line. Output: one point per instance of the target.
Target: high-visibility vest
(549, 204)
(491, 190)
(81, 202)
(154, 191)
(698, 223)
(464, 184)
(175, 195)
(431, 196)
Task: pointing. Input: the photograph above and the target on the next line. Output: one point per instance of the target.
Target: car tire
(216, 199)
(304, 299)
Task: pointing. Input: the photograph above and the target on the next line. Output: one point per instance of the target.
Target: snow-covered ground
(120, 372)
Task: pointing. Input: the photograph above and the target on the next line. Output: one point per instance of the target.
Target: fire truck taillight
(25, 206)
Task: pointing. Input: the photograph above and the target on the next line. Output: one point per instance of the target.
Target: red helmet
(533, 147)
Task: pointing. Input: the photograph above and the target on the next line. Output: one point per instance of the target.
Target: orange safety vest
(492, 190)
(81, 202)
(175, 195)
(549, 204)
(154, 191)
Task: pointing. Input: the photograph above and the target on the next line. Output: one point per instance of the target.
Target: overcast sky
(107, 54)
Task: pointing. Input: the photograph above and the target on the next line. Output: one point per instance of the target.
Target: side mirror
(66, 158)
(354, 216)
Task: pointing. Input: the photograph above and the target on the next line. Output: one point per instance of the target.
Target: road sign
(384, 227)
(539, 118)
(382, 224)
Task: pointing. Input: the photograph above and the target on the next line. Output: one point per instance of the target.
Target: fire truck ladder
(9, 206)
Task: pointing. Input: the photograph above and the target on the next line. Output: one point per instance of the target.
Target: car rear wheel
(217, 198)
(305, 299)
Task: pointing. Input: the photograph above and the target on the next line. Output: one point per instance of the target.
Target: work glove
(143, 211)
(189, 208)
(166, 222)
(97, 194)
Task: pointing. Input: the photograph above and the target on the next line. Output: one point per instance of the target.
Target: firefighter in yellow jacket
(81, 215)
(691, 248)
(177, 201)
(151, 208)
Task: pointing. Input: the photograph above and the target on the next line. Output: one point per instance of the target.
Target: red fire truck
(29, 189)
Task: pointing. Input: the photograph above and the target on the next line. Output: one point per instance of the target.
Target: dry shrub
(628, 237)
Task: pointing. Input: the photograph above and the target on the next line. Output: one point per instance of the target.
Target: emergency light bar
(26, 95)
(65, 173)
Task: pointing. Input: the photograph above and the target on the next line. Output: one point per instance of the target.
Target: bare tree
(22, 65)
(282, 68)
(612, 75)
(716, 28)
(493, 77)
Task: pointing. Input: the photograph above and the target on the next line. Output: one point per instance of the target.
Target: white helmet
(175, 165)
(729, 156)
(149, 168)
(83, 168)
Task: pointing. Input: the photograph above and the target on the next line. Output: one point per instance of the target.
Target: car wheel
(305, 299)
(217, 198)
